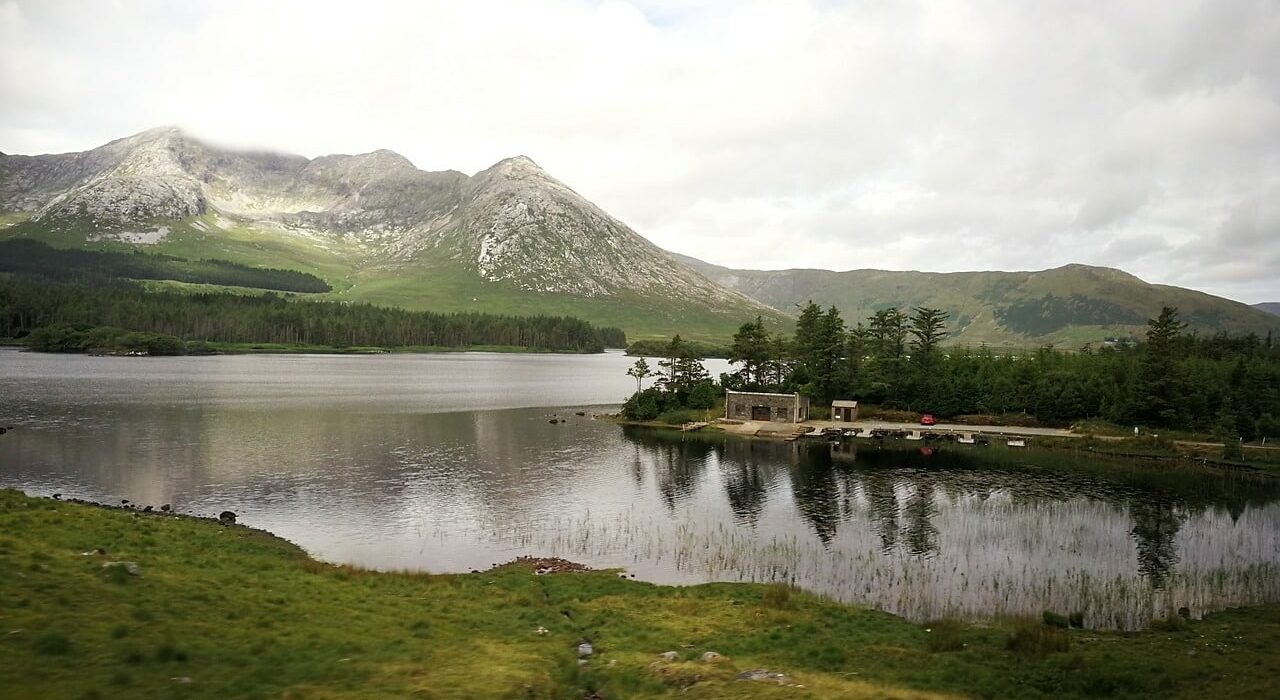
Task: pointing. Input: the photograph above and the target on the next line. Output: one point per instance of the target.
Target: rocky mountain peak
(517, 164)
(511, 223)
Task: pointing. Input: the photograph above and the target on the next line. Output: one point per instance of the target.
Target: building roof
(844, 404)
(762, 393)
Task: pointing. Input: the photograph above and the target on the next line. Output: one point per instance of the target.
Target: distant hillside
(1271, 307)
(510, 239)
(1067, 306)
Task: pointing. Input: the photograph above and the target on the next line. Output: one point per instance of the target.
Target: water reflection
(1155, 529)
(341, 457)
(1012, 531)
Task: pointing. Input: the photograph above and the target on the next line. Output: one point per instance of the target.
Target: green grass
(13, 218)
(451, 288)
(236, 613)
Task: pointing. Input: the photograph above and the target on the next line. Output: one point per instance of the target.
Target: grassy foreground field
(230, 612)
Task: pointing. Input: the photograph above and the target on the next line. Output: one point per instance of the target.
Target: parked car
(928, 419)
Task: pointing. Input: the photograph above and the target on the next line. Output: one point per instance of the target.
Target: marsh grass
(1000, 557)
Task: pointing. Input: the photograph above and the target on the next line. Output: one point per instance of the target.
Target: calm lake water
(449, 463)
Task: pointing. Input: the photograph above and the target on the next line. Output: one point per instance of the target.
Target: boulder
(131, 567)
(227, 517)
(762, 675)
(669, 656)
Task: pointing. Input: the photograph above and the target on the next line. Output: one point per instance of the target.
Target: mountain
(509, 239)
(513, 239)
(1271, 307)
(1066, 306)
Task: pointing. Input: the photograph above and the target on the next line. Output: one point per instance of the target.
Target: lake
(449, 462)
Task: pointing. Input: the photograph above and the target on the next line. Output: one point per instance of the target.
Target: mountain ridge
(507, 230)
(1069, 305)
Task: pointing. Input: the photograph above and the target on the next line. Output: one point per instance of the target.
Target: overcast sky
(934, 135)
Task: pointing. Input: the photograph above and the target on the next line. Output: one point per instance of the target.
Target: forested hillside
(28, 305)
(31, 257)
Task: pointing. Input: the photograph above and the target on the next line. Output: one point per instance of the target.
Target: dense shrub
(104, 339)
(1032, 639)
(945, 635)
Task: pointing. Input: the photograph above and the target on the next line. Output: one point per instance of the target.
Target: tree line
(29, 257)
(27, 305)
(1220, 384)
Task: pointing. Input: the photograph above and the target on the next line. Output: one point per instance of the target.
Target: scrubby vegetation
(229, 612)
(658, 348)
(682, 390)
(26, 306)
(103, 339)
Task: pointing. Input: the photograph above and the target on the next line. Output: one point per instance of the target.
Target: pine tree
(640, 371)
(751, 350)
(1159, 384)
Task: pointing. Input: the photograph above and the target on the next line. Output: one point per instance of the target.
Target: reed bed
(927, 554)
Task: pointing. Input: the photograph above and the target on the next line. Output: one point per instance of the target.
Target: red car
(927, 419)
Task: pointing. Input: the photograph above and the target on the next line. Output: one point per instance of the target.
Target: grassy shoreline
(1263, 461)
(218, 612)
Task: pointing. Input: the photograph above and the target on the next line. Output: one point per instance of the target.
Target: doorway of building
(760, 413)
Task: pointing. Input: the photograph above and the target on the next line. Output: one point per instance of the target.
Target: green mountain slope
(422, 284)
(510, 239)
(1066, 306)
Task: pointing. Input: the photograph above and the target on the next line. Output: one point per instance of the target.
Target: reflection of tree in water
(637, 466)
(746, 473)
(882, 499)
(903, 487)
(679, 466)
(920, 534)
(1155, 527)
(817, 493)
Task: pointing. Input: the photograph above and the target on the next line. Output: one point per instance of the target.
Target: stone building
(779, 408)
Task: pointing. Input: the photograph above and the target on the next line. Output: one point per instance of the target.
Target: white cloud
(942, 136)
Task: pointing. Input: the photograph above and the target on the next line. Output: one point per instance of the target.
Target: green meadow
(232, 612)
